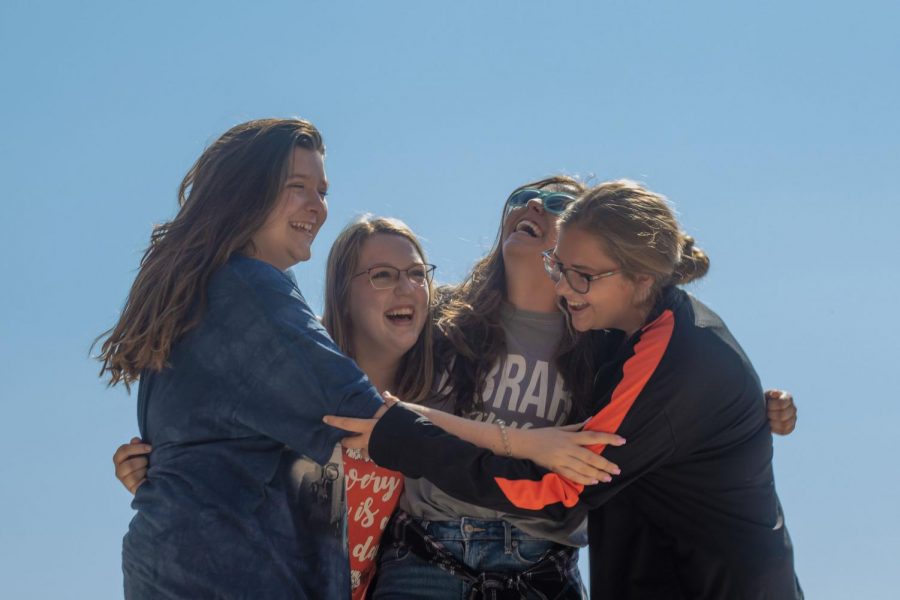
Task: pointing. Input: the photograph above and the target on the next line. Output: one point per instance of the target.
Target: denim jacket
(237, 501)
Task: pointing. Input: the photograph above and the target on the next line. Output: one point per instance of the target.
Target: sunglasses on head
(554, 202)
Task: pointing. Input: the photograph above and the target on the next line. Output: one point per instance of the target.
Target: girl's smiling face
(614, 302)
(387, 322)
(287, 235)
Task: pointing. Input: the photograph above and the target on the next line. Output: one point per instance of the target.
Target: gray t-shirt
(525, 390)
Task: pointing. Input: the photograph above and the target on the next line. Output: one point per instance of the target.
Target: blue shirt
(232, 504)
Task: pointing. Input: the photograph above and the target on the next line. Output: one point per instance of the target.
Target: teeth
(400, 312)
(307, 227)
(529, 227)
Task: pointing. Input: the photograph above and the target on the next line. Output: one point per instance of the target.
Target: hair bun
(694, 263)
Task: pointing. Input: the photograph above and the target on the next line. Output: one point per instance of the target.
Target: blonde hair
(640, 231)
(415, 376)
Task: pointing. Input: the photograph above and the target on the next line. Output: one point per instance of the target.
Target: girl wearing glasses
(696, 473)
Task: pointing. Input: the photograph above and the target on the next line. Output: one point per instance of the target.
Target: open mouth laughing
(401, 315)
(302, 227)
(529, 227)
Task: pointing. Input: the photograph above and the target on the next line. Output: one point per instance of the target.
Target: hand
(131, 463)
(782, 411)
(361, 429)
(562, 450)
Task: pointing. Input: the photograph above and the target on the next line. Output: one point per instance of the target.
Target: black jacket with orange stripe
(698, 516)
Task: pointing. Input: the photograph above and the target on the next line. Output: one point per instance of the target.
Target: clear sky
(773, 127)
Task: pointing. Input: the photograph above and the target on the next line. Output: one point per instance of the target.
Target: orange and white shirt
(372, 495)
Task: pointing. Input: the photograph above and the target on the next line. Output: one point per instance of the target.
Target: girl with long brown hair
(235, 373)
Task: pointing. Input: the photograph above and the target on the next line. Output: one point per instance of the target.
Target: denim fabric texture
(232, 506)
(482, 545)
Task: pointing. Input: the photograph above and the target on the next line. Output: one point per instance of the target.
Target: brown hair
(415, 376)
(224, 198)
(471, 337)
(640, 231)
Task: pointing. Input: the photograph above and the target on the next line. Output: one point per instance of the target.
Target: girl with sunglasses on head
(696, 472)
(505, 353)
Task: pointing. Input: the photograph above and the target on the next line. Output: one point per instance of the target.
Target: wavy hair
(415, 376)
(224, 198)
(470, 334)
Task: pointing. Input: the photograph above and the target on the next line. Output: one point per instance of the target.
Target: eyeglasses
(578, 281)
(554, 202)
(386, 277)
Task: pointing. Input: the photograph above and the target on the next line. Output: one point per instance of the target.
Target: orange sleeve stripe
(637, 370)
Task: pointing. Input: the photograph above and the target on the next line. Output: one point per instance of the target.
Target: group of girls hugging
(428, 442)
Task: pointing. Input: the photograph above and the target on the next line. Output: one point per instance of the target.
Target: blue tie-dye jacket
(233, 507)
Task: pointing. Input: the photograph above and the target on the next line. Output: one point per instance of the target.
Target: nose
(404, 285)
(562, 285)
(536, 204)
(318, 206)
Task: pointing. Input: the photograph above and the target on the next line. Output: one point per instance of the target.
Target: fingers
(583, 473)
(575, 476)
(389, 399)
(126, 467)
(783, 426)
(596, 462)
(131, 463)
(781, 411)
(572, 427)
(134, 480)
(350, 424)
(591, 438)
(779, 400)
(130, 450)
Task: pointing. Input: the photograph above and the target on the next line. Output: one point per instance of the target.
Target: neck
(529, 288)
(636, 320)
(382, 372)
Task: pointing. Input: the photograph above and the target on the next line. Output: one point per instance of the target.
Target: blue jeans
(482, 545)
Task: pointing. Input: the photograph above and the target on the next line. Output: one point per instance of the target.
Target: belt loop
(507, 537)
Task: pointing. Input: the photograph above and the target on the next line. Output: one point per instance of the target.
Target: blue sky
(772, 126)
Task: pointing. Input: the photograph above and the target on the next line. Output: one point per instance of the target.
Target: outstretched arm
(559, 449)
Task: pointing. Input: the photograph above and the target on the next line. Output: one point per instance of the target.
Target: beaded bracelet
(505, 435)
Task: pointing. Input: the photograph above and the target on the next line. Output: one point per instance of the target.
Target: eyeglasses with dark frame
(578, 281)
(386, 277)
(554, 202)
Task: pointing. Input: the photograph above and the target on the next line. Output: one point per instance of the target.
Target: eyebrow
(585, 268)
(303, 176)
(580, 267)
(384, 264)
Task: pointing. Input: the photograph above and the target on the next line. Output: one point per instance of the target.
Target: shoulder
(257, 283)
(256, 296)
(701, 342)
(253, 273)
